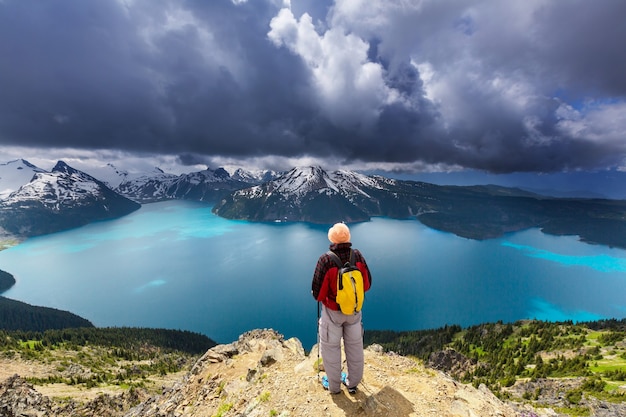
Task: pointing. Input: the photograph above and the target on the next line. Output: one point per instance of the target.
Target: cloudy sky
(531, 86)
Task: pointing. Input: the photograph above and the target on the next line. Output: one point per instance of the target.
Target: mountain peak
(301, 180)
(14, 174)
(63, 167)
(312, 171)
(221, 173)
(254, 176)
(28, 164)
(263, 374)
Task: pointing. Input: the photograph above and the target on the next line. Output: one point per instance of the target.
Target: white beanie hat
(339, 233)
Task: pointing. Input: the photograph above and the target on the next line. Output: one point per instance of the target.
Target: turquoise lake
(176, 265)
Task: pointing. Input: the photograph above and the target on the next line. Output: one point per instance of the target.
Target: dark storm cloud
(93, 74)
(499, 86)
(71, 74)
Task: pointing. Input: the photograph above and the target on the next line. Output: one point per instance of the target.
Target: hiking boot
(324, 382)
(344, 381)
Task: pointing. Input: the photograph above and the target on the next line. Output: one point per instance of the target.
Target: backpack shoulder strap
(352, 257)
(335, 258)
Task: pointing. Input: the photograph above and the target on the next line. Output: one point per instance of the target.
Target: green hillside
(516, 360)
(129, 342)
(102, 359)
(15, 315)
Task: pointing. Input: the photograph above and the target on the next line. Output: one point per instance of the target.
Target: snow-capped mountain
(302, 180)
(313, 195)
(14, 174)
(308, 194)
(111, 175)
(207, 185)
(60, 199)
(147, 187)
(258, 176)
(114, 177)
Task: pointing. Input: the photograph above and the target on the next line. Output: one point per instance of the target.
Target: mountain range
(477, 212)
(52, 201)
(34, 201)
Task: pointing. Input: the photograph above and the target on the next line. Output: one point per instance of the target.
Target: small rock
(271, 356)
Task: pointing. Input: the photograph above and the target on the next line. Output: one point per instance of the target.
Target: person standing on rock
(333, 324)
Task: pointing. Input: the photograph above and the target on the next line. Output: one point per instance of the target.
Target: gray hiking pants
(333, 326)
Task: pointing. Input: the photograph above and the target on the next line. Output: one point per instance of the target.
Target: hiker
(333, 324)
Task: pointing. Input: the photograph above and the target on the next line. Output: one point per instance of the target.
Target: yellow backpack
(350, 291)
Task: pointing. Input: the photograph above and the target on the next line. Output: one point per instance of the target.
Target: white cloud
(92, 160)
(350, 89)
(602, 122)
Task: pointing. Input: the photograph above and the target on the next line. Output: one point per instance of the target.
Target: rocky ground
(261, 374)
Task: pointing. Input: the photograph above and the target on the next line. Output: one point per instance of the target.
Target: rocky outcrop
(19, 398)
(451, 362)
(263, 374)
(552, 393)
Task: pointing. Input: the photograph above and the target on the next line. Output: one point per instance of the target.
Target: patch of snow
(14, 174)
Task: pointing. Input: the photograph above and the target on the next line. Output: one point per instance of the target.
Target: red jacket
(324, 285)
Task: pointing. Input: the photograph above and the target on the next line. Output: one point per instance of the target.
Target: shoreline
(9, 242)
